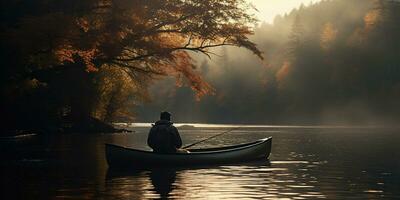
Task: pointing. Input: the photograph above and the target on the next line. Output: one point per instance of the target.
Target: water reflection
(154, 183)
(131, 185)
(305, 164)
(251, 180)
(162, 180)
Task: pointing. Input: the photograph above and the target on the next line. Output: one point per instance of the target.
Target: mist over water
(306, 163)
(333, 62)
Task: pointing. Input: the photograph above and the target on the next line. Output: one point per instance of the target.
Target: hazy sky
(268, 9)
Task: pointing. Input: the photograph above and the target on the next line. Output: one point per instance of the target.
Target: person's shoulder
(173, 127)
(154, 126)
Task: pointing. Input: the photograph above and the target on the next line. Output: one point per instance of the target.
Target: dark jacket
(164, 137)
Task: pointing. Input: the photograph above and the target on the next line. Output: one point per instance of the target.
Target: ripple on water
(329, 166)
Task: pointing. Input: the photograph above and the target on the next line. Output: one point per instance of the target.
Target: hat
(165, 115)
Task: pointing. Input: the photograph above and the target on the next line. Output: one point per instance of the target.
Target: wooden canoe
(122, 157)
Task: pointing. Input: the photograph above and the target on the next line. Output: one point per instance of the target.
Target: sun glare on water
(204, 125)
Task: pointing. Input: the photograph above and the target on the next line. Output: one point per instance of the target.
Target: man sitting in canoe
(164, 136)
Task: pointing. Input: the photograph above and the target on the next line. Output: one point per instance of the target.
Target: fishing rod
(214, 136)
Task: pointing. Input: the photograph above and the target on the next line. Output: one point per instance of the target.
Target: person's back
(163, 136)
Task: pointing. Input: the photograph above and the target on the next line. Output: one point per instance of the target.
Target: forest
(78, 65)
(331, 62)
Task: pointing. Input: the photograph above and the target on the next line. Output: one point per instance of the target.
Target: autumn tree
(329, 80)
(62, 47)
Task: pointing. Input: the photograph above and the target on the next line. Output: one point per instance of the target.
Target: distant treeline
(330, 62)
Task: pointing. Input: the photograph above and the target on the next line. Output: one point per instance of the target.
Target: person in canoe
(164, 136)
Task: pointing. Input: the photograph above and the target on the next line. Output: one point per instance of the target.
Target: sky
(268, 9)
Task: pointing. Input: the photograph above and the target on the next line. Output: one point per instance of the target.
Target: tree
(144, 39)
(328, 36)
(296, 37)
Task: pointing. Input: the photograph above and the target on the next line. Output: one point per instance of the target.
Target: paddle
(190, 145)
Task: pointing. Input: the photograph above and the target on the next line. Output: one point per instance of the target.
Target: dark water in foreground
(306, 163)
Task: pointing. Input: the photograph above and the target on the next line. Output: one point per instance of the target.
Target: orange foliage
(67, 53)
(328, 36)
(83, 24)
(184, 65)
(283, 72)
(145, 37)
(371, 19)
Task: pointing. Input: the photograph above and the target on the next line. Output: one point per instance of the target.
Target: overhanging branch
(202, 49)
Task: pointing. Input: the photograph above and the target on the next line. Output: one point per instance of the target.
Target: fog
(333, 62)
(268, 9)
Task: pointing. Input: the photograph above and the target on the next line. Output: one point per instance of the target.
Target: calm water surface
(306, 163)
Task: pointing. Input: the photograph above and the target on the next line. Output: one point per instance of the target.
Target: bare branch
(200, 48)
(125, 65)
(190, 40)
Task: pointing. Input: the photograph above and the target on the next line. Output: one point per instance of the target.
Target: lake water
(306, 163)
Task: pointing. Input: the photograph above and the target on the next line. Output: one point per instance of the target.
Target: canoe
(122, 157)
